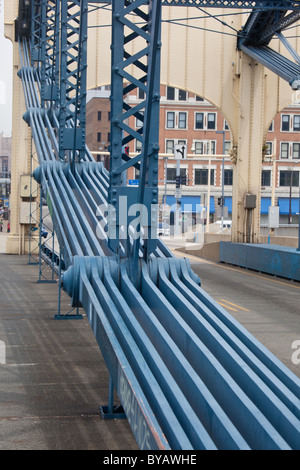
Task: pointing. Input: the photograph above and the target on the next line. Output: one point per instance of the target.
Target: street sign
(133, 182)
(180, 152)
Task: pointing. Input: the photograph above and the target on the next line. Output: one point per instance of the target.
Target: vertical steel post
(117, 99)
(40, 233)
(73, 70)
(43, 39)
(143, 25)
(149, 164)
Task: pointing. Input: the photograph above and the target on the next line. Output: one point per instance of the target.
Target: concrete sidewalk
(54, 378)
(3, 238)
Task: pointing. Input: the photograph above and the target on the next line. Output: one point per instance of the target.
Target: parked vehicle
(163, 230)
(44, 232)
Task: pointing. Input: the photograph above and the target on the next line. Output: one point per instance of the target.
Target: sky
(5, 79)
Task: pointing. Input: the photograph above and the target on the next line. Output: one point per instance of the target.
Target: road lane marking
(227, 307)
(234, 305)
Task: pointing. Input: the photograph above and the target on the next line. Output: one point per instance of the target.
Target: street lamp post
(223, 174)
(208, 187)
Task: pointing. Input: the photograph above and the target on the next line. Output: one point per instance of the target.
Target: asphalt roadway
(267, 306)
(54, 379)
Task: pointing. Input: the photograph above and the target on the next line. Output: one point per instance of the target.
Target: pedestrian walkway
(3, 238)
(53, 379)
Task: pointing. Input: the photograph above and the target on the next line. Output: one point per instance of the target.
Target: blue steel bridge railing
(188, 375)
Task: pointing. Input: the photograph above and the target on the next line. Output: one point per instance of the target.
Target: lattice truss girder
(236, 4)
(135, 27)
(260, 28)
(73, 71)
(49, 50)
(59, 52)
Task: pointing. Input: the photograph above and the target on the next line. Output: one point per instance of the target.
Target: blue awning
(265, 203)
(228, 203)
(212, 205)
(284, 205)
(188, 203)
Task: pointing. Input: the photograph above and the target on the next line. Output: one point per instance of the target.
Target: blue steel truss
(73, 69)
(232, 4)
(258, 31)
(187, 374)
(145, 61)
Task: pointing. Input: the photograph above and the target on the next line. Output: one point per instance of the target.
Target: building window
(171, 174)
(226, 127)
(170, 146)
(288, 177)
(290, 150)
(290, 122)
(181, 95)
(170, 120)
(199, 121)
(139, 122)
(108, 137)
(205, 120)
(211, 121)
(182, 120)
(271, 128)
(170, 93)
(228, 177)
(98, 136)
(212, 148)
(99, 115)
(141, 94)
(296, 122)
(136, 174)
(199, 98)
(227, 146)
(199, 148)
(296, 150)
(138, 145)
(266, 178)
(284, 150)
(202, 147)
(285, 122)
(201, 177)
(269, 148)
(108, 117)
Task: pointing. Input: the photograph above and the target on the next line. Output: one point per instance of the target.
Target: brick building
(5, 153)
(98, 121)
(190, 121)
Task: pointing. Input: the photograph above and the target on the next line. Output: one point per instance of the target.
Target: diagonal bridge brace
(258, 31)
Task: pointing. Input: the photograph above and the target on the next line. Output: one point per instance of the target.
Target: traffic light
(221, 201)
(183, 180)
(177, 180)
